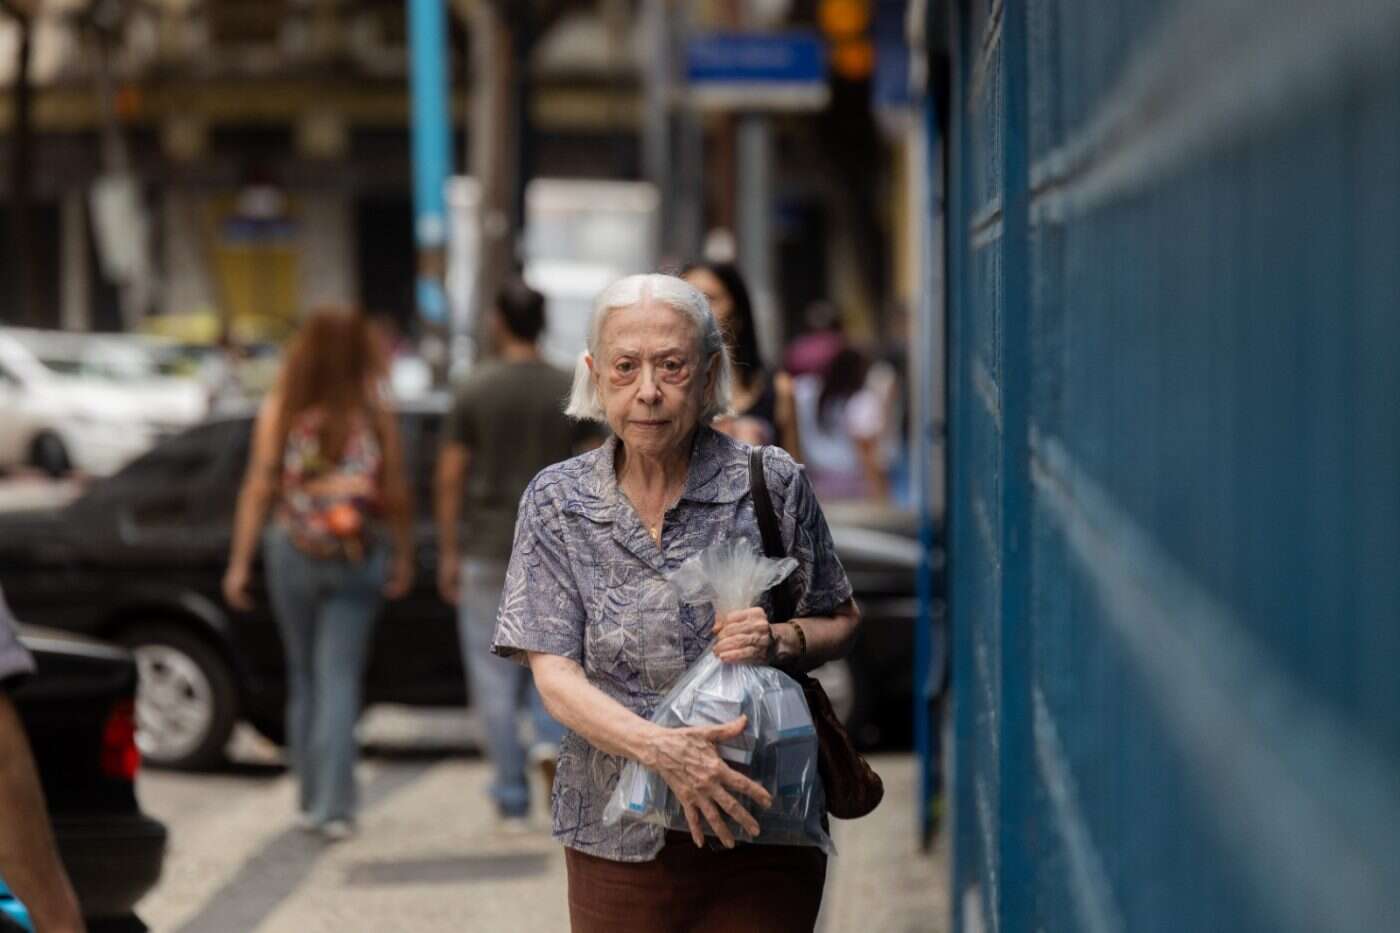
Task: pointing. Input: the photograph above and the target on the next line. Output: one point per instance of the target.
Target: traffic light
(846, 25)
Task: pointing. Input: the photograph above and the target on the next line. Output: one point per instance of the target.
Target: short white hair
(676, 294)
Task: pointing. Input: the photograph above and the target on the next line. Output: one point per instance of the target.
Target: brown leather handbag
(852, 787)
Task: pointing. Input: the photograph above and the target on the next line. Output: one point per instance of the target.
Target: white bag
(778, 747)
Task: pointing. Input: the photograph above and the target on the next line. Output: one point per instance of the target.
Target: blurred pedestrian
(888, 379)
(811, 352)
(587, 603)
(843, 424)
(327, 463)
(506, 425)
(764, 412)
(29, 862)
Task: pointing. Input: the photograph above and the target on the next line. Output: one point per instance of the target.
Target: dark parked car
(138, 559)
(78, 710)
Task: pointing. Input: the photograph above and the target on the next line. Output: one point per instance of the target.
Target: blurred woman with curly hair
(327, 466)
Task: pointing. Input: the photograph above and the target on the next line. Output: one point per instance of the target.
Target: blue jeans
(325, 612)
(500, 689)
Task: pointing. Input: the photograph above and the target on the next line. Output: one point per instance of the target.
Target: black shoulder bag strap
(783, 607)
(852, 787)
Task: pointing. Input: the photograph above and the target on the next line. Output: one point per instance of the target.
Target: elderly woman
(587, 603)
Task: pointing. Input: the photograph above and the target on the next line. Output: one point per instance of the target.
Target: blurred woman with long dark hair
(843, 422)
(764, 412)
(327, 464)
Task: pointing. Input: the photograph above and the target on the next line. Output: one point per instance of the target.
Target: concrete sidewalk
(429, 858)
(880, 882)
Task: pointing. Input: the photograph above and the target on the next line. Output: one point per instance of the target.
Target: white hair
(676, 294)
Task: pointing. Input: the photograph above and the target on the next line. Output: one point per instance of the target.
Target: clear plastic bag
(778, 747)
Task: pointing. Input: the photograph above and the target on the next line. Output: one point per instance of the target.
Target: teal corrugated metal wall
(1174, 351)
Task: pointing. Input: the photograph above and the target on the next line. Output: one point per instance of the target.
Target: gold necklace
(653, 530)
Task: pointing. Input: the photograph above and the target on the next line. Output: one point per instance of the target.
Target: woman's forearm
(684, 757)
(876, 481)
(453, 462)
(254, 500)
(785, 416)
(260, 483)
(826, 638)
(29, 859)
(602, 721)
(398, 500)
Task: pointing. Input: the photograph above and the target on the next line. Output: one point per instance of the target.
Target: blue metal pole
(969, 844)
(928, 661)
(1018, 837)
(432, 150)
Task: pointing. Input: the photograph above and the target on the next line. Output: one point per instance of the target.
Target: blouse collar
(718, 472)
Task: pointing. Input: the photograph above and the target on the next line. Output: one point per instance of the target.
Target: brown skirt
(747, 888)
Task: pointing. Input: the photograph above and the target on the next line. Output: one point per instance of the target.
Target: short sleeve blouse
(15, 661)
(587, 582)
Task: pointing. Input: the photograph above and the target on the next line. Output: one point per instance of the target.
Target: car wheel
(185, 698)
(48, 454)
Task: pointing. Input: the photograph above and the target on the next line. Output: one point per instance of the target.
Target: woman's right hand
(236, 587)
(687, 761)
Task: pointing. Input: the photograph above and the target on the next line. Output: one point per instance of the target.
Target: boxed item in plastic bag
(778, 747)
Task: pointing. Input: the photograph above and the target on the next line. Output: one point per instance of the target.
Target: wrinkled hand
(400, 578)
(449, 580)
(687, 761)
(743, 637)
(236, 587)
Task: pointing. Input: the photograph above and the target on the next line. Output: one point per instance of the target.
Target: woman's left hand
(744, 637)
(400, 578)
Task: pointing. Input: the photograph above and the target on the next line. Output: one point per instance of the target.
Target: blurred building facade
(269, 140)
(268, 145)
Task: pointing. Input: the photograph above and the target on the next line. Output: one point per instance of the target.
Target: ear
(596, 378)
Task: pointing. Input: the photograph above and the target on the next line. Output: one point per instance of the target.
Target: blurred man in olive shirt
(507, 424)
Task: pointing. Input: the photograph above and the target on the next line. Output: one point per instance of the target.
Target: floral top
(317, 521)
(587, 582)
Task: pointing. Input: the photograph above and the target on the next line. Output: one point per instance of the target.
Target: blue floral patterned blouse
(587, 582)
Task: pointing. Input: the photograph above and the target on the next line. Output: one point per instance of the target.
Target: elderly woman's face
(650, 377)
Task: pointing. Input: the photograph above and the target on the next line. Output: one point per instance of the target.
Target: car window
(62, 365)
(171, 467)
(203, 468)
(218, 491)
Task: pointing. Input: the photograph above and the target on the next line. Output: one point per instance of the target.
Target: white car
(61, 414)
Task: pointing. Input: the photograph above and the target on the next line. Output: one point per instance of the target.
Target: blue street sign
(889, 85)
(757, 70)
